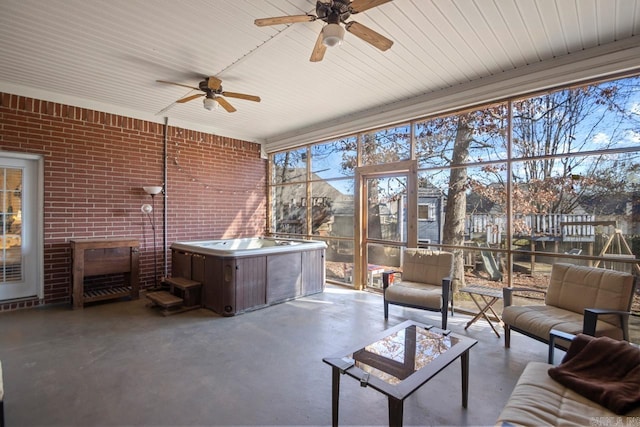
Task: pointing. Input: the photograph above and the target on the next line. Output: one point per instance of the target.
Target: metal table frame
(397, 393)
(489, 297)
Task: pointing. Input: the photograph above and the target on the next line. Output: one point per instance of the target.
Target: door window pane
(387, 208)
(11, 219)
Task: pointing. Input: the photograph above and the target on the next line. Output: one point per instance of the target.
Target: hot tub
(239, 275)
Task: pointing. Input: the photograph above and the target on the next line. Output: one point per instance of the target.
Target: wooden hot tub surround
(240, 275)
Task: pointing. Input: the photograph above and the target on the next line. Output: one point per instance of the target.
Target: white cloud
(632, 136)
(601, 138)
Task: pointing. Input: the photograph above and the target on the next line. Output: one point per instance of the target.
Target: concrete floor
(123, 363)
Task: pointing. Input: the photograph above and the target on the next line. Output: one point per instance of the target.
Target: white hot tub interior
(246, 243)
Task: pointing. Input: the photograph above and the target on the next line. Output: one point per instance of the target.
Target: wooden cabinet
(102, 257)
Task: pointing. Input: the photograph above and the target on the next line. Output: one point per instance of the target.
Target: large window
(510, 188)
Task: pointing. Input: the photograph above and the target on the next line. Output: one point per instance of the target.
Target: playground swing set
(615, 247)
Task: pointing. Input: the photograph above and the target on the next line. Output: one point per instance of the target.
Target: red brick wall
(95, 166)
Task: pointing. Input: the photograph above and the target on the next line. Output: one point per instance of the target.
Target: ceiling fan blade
(189, 98)
(362, 5)
(277, 20)
(368, 35)
(241, 96)
(225, 104)
(318, 50)
(178, 84)
(213, 83)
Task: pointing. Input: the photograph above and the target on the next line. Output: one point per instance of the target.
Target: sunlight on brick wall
(96, 164)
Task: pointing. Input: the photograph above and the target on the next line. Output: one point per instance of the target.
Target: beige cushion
(575, 288)
(539, 400)
(425, 266)
(572, 288)
(539, 320)
(415, 293)
(422, 274)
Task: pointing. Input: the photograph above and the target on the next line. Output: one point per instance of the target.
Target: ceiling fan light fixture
(210, 104)
(332, 35)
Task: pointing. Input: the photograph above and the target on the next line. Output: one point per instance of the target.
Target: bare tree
(567, 121)
(449, 141)
(453, 233)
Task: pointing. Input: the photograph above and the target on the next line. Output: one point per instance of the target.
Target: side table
(374, 270)
(489, 297)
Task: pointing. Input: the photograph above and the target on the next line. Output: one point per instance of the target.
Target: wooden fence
(563, 227)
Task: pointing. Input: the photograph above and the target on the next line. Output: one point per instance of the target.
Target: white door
(21, 262)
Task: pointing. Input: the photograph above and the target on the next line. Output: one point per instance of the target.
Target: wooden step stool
(169, 302)
(189, 290)
(183, 295)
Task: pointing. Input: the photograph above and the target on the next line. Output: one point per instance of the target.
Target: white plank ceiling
(107, 55)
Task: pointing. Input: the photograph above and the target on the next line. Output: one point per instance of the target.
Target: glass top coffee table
(399, 361)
